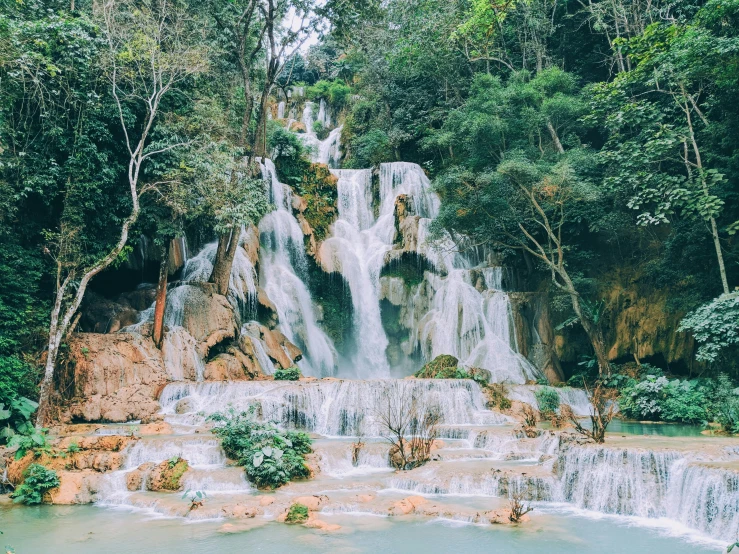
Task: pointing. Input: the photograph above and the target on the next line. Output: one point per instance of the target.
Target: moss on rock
(441, 367)
(318, 189)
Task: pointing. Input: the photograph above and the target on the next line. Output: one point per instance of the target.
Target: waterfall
(327, 151)
(331, 408)
(281, 110)
(652, 484)
(283, 273)
(357, 250)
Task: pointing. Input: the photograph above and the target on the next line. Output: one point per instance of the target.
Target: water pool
(90, 529)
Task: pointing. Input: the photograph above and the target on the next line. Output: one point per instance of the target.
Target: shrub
(298, 513)
(173, 472)
(660, 399)
(289, 374)
(723, 403)
(335, 92)
(37, 481)
(35, 441)
(16, 408)
(270, 456)
(548, 400)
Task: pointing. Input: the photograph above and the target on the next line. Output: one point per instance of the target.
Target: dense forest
(588, 144)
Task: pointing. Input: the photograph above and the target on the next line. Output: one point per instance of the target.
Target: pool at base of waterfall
(88, 529)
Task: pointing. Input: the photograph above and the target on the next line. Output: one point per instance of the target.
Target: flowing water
(587, 498)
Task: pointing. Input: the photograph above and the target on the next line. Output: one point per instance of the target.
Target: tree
(408, 425)
(151, 50)
(603, 410)
(537, 189)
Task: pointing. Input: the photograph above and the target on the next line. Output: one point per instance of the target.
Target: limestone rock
(76, 487)
(313, 503)
(115, 378)
(407, 505)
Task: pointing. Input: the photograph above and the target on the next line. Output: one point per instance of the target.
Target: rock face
(114, 377)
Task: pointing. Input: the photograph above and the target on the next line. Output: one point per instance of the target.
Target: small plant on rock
(195, 498)
(35, 442)
(530, 417)
(298, 513)
(37, 481)
(499, 396)
(518, 507)
(289, 374)
(548, 401)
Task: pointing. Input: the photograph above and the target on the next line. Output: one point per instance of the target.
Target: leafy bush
(288, 154)
(336, 93)
(723, 403)
(17, 383)
(37, 481)
(715, 326)
(441, 367)
(660, 399)
(34, 441)
(548, 400)
(289, 374)
(270, 456)
(298, 513)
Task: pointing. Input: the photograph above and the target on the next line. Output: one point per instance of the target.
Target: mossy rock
(298, 513)
(168, 474)
(441, 367)
(319, 190)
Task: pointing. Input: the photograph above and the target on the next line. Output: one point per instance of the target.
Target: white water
(652, 484)
(283, 273)
(331, 408)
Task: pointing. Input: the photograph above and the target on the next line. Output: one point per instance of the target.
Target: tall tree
(152, 48)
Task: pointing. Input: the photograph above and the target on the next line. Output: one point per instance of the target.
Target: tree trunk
(260, 139)
(555, 138)
(228, 242)
(161, 300)
(595, 335)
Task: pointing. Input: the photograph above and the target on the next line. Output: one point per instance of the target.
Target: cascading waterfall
(357, 250)
(283, 272)
(651, 484)
(331, 408)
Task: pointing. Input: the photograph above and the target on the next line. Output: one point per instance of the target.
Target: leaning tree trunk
(161, 300)
(228, 242)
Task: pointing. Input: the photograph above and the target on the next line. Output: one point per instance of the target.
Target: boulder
(407, 505)
(313, 503)
(314, 523)
(115, 377)
(76, 487)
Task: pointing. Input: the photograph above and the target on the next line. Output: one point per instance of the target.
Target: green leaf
(257, 459)
(267, 451)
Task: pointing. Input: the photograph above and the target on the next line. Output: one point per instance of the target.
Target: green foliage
(658, 398)
(715, 326)
(288, 154)
(172, 474)
(441, 367)
(336, 93)
(548, 400)
(271, 457)
(33, 440)
(37, 481)
(318, 189)
(298, 513)
(288, 374)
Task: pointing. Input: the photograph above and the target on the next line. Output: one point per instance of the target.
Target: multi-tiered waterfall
(456, 305)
